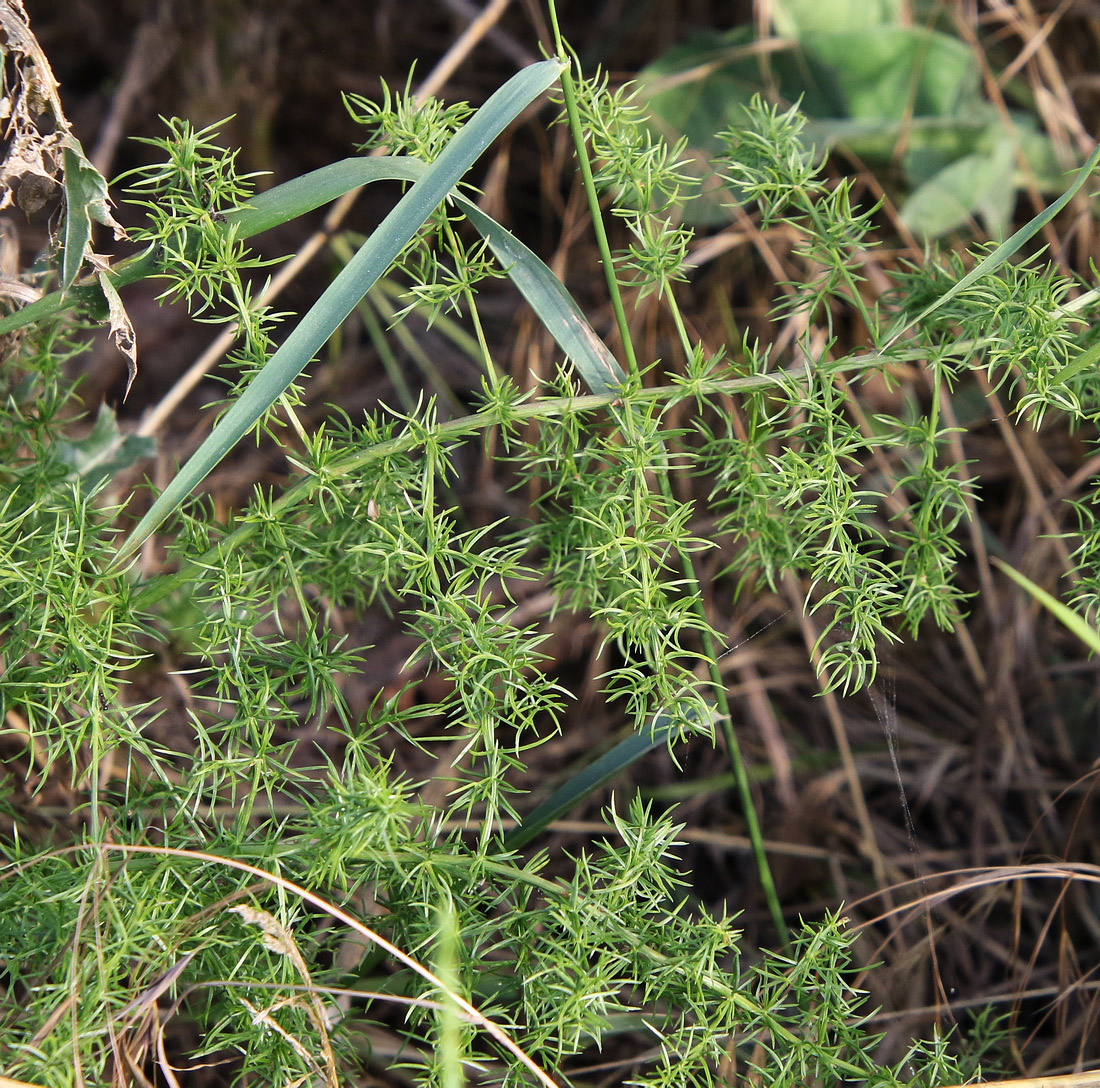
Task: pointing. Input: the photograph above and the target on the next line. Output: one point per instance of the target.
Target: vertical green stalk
(451, 1048)
(729, 735)
(737, 763)
(573, 114)
(681, 328)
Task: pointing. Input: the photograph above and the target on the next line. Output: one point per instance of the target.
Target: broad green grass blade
(553, 305)
(353, 281)
(596, 774)
(302, 194)
(1086, 633)
(551, 302)
(1007, 248)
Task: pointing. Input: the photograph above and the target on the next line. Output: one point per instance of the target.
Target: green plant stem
(678, 321)
(737, 763)
(483, 344)
(546, 408)
(573, 114)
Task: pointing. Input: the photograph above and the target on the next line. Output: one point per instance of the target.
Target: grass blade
(598, 773)
(1075, 623)
(353, 281)
(544, 292)
(302, 194)
(551, 302)
(1006, 249)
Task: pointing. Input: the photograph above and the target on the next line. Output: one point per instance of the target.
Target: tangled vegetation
(262, 880)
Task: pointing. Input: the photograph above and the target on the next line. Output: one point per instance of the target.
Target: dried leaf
(31, 97)
(122, 329)
(41, 144)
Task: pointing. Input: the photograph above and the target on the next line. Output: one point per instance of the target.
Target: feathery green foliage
(92, 937)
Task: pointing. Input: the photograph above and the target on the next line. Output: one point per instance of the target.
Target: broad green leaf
(1046, 169)
(103, 452)
(975, 184)
(860, 87)
(349, 286)
(794, 18)
(932, 146)
(887, 73)
(870, 87)
(701, 86)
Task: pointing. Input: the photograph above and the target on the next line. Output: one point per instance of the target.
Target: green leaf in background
(354, 280)
(978, 184)
(869, 85)
(858, 86)
(884, 75)
(793, 18)
(103, 452)
(701, 86)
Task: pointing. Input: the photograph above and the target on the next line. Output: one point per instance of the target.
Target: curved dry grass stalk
(464, 1008)
(978, 877)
